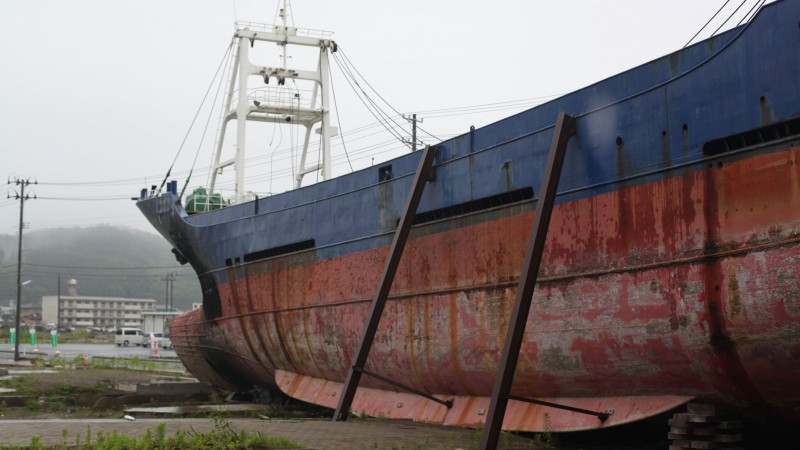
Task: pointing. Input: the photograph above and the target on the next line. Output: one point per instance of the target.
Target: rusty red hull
(686, 287)
(670, 271)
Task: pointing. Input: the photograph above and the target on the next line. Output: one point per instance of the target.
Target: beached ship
(671, 270)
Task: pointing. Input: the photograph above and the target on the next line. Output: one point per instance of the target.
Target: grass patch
(221, 437)
(108, 363)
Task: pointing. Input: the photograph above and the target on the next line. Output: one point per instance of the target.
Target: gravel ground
(52, 402)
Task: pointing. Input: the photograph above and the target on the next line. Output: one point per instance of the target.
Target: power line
(103, 275)
(85, 199)
(107, 268)
(350, 135)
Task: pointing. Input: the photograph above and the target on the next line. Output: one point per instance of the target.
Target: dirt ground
(84, 393)
(44, 392)
(51, 403)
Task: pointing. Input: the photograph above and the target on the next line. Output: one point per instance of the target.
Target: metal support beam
(564, 128)
(448, 403)
(379, 301)
(600, 415)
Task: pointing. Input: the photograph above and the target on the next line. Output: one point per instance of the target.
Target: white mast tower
(244, 105)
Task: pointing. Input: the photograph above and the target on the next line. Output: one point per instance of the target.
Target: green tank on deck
(199, 201)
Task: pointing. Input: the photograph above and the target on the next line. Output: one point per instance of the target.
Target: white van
(127, 336)
(163, 341)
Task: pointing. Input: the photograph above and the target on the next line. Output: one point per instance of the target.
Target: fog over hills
(106, 261)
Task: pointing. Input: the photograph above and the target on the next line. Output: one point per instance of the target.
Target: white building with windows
(75, 310)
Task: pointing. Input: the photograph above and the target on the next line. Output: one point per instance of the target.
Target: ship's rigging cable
(750, 14)
(208, 120)
(367, 151)
(709, 21)
(319, 159)
(660, 85)
(191, 125)
(272, 154)
(353, 135)
(294, 143)
(378, 113)
(344, 55)
(339, 120)
(279, 130)
(729, 17)
(356, 134)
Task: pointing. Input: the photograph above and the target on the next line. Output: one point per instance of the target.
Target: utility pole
(169, 287)
(58, 304)
(166, 291)
(172, 290)
(22, 198)
(413, 120)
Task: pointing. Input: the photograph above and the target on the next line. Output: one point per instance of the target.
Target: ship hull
(670, 271)
(694, 302)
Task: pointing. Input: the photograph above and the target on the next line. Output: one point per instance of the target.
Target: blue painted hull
(665, 140)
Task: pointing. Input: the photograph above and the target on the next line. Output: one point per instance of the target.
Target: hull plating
(670, 271)
(684, 287)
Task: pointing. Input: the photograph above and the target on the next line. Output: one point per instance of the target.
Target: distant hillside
(95, 257)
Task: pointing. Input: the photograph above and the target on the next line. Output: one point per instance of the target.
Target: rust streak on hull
(654, 291)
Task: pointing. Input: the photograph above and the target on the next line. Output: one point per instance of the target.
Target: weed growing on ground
(221, 437)
(549, 438)
(109, 363)
(17, 383)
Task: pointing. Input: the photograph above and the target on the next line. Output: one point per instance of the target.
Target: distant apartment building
(75, 310)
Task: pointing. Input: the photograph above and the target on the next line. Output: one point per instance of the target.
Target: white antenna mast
(266, 106)
(282, 15)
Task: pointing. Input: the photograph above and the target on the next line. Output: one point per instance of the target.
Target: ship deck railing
(270, 28)
(280, 96)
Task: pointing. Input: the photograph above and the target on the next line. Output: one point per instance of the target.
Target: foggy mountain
(105, 260)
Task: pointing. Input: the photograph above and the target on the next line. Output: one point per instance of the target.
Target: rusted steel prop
(565, 127)
(379, 301)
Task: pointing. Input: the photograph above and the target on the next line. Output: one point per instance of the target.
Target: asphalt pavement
(70, 351)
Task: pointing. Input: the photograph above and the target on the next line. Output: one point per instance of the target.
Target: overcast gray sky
(98, 94)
